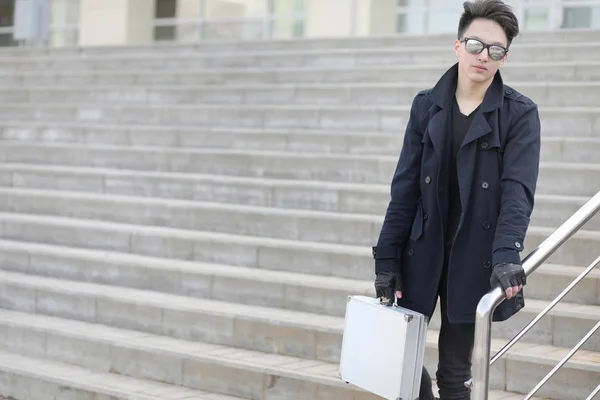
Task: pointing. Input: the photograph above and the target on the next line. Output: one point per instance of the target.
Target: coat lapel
(479, 128)
(437, 130)
(442, 96)
(491, 102)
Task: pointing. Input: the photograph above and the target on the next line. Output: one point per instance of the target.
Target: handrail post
(483, 341)
(489, 302)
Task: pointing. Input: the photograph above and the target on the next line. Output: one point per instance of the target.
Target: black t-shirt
(460, 126)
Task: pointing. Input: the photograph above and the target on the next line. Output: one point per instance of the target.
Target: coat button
(517, 245)
(487, 264)
(411, 252)
(508, 91)
(484, 145)
(425, 216)
(428, 180)
(486, 225)
(485, 185)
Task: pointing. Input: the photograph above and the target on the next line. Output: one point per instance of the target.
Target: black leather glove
(386, 284)
(508, 275)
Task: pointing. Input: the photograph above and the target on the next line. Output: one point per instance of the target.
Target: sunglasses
(476, 46)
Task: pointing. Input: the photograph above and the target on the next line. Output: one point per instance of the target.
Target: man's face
(481, 67)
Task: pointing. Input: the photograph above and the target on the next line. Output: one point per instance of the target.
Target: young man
(462, 194)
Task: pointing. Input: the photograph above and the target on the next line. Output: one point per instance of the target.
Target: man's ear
(456, 47)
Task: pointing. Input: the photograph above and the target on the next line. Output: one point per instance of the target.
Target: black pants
(455, 350)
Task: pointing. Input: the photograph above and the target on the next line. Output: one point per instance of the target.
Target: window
(537, 18)
(7, 11)
(287, 18)
(577, 17)
(165, 9)
(64, 22)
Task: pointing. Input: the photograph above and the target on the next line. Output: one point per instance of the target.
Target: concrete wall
(381, 17)
(116, 22)
(328, 18)
(351, 17)
(187, 9)
(140, 17)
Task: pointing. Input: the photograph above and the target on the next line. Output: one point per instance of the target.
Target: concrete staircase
(186, 222)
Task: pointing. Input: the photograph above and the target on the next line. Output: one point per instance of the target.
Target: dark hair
(496, 10)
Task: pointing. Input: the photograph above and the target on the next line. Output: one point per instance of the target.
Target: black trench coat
(498, 166)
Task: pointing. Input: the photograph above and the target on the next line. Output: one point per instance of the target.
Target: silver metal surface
(489, 302)
(563, 361)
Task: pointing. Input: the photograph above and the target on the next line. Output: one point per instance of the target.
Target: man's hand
(386, 283)
(511, 278)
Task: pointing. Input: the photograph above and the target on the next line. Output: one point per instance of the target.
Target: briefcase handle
(394, 305)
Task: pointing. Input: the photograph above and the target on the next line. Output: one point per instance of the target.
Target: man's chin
(478, 77)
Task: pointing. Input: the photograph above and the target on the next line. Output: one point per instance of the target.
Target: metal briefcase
(383, 348)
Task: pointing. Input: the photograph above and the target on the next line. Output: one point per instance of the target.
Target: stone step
(280, 332)
(554, 178)
(311, 195)
(354, 42)
(527, 52)
(267, 329)
(370, 199)
(42, 377)
(550, 280)
(128, 353)
(244, 285)
(287, 290)
(572, 148)
(303, 225)
(552, 94)
(311, 336)
(313, 141)
(413, 73)
(325, 259)
(554, 120)
(244, 372)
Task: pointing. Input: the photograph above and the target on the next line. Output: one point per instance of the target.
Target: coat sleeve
(518, 183)
(404, 197)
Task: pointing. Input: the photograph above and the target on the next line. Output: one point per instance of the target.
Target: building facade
(132, 22)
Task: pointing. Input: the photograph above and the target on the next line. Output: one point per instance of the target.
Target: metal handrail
(489, 302)
(594, 393)
(563, 361)
(545, 311)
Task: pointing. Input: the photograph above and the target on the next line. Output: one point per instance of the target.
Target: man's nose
(484, 55)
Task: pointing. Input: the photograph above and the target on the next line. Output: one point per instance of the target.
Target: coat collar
(443, 92)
